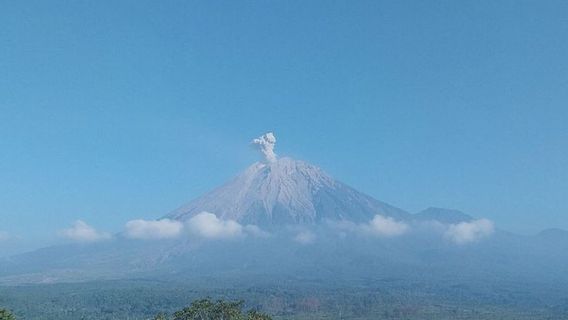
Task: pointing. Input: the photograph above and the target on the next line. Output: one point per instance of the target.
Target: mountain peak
(286, 191)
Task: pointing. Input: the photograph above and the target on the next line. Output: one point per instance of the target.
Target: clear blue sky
(114, 110)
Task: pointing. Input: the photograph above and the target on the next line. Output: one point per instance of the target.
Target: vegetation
(206, 309)
(386, 300)
(6, 315)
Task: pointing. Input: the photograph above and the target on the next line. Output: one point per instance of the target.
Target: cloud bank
(467, 232)
(204, 225)
(380, 226)
(459, 233)
(255, 231)
(305, 237)
(385, 227)
(82, 232)
(153, 229)
(207, 225)
(265, 144)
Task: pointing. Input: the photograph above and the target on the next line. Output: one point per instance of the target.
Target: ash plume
(265, 144)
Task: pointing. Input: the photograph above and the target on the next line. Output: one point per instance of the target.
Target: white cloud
(384, 227)
(305, 237)
(378, 226)
(207, 225)
(466, 232)
(82, 232)
(204, 225)
(153, 229)
(255, 231)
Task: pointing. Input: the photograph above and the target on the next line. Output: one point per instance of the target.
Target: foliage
(387, 299)
(6, 315)
(160, 316)
(255, 315)
(206, 309)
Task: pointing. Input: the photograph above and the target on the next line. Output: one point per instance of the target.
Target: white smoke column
(265, 144)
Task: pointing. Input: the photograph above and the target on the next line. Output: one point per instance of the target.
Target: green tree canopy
(207, 309)
(6, 315)
(255, 315)
(160, 316)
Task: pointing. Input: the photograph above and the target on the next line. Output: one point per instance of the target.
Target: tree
(255, 315)
(206, 309)
(160, 316)
(6, 315)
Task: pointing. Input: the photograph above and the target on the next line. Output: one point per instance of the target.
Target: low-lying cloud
(380, 226)
(458, 233)
(153, 229)
(255, 231)
(207, 225)
(385, 227)
(471, 231)
(82, 232)
(305, 237)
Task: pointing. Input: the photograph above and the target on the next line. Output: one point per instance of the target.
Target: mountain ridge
(443, 215)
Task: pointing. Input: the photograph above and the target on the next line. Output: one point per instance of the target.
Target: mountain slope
(442, 215)
(287, 191)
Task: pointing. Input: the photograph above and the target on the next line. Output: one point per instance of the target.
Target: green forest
(141, 300)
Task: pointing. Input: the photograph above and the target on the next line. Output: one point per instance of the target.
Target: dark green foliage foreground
(206, 309)
(6, 315)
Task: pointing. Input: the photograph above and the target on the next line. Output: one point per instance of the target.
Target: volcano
(287, 191)
(289, 219)
(282, 191)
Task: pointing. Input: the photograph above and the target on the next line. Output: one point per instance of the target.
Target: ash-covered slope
(287, 191)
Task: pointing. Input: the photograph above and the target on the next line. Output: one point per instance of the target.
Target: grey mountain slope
(553, 234)
(287, 191)
(442, 215)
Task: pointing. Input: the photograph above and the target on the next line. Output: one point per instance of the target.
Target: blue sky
(115, 110)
